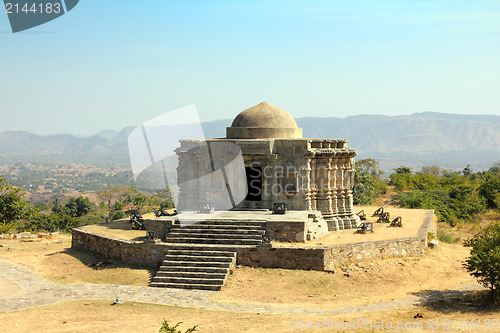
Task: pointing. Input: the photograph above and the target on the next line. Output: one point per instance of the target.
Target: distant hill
(448, 140)
(21, 147)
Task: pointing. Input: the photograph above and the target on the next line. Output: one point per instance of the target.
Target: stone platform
(294, 226)
(200, 255)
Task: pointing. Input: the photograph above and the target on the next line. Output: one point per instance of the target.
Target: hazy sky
(108, 64)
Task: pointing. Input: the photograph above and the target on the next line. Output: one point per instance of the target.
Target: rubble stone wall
(266, 255)
(327, 258)
(130, 252)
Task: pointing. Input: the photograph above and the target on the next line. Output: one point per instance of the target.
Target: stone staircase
(201, 255)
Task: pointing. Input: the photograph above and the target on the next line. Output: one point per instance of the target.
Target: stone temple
(280, 166)
(230, 190)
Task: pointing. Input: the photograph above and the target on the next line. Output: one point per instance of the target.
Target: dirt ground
(367, 283)
(358, 284)
(102, 317)
(412, 221)
(119, 229)
(54, 260)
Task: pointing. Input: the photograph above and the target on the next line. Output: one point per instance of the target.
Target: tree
(467, 171)
(484, 260)
(402, 178)
(79, 207)
(495, 169)
(371, 166)
(12, 206)
(57, 206)
(466, 201)
(490, 190)
(432, 170)
(113, 194)
(402, 170)
(162, 198)
(139, 199)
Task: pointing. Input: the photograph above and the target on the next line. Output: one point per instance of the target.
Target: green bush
(166, 328)
(490, 190)
(459, 203)
(13, 206)
(53, 222)
(118, 215)
(484, 260)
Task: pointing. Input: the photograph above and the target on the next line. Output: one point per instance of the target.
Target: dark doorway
(254, 181)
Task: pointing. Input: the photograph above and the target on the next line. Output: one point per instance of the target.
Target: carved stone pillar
(313, 187)
(306, 184)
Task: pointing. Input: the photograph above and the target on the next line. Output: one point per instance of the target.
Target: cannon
(137, 222)
(397, 222)
(279, 208)
(365, 227)
(384, 218)
(161, 212)
(362, 215)
(378, 212)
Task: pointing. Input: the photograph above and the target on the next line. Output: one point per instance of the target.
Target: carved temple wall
(305, 174)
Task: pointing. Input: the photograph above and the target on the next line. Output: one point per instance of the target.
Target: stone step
(185, 280)
(170, 257)
(206, 247)
(202, 275)
(198, 252)
(219, 226)
(193, 269)
(259, 224)
(196, 263)
(213, 235)
(186, 286)
(218, 231)
(205, 240)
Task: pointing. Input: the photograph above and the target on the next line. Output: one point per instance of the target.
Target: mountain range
(451, 141)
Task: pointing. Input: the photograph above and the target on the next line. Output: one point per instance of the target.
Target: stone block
(433, 243)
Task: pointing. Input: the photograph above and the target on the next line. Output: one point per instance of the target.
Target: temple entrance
(254, 182)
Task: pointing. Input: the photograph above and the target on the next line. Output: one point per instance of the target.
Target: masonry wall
(328, 257)
(130, 252)
(266, 255)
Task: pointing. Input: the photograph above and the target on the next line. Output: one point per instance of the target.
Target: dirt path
(38, 291)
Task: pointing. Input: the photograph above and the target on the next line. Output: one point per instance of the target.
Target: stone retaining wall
(326, 258)
(130, 252)
(266, 255)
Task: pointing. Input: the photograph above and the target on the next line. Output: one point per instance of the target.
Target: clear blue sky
(110, 64)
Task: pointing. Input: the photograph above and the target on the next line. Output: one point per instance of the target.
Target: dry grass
(412, 221)
(119, 229)
(56, 261)
(376, 281)
(100, 316)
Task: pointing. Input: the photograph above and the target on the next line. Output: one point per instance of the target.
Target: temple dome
(264, 120)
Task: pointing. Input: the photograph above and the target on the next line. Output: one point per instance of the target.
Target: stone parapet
(130, 252)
